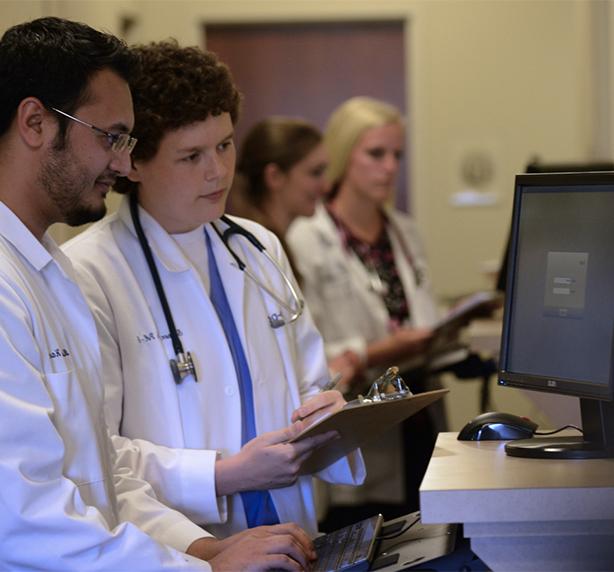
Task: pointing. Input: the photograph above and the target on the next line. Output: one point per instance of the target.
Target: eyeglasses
(119, 142)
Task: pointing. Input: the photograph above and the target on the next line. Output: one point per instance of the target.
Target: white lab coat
(350, 315)
(67, 503)
(176, 431)
(337, 287)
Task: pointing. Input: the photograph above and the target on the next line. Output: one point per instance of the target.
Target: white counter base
(523, 514)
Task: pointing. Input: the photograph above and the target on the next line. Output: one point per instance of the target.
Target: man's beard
(68, 183)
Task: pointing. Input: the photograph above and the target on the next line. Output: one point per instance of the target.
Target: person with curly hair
(211, 433)
(69, 500)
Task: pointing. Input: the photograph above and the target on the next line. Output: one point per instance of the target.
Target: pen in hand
(318, 404)
(332, 384)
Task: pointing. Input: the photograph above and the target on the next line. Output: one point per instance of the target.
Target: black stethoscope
(183, 364)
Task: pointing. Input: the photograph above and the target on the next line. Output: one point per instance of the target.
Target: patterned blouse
(378, 259)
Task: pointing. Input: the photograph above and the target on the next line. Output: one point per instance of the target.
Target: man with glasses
(68, 502)
(118, 142)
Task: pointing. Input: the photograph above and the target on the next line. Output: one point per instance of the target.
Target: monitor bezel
(578, 388)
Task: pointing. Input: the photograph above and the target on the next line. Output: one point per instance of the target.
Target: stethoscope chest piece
(276, 320)
(182, 367)
(376, 284)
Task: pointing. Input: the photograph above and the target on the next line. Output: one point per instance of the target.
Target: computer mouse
(494, 425)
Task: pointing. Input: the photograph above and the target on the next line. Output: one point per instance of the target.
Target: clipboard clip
(387, 387)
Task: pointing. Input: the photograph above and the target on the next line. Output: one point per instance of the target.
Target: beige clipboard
(358, 424)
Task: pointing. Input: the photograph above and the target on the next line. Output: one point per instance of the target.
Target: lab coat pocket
(338, 314)
(78, 417)
(335, 286)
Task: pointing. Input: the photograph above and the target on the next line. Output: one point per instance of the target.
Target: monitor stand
(596, 443)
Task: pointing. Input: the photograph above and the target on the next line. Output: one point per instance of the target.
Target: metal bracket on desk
(419, 544)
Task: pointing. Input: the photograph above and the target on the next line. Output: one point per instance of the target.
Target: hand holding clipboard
(361, 421)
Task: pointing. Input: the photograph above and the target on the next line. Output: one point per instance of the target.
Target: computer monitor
(536, 166)
(558, 325)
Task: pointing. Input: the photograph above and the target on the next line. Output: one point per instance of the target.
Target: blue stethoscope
(183, 364)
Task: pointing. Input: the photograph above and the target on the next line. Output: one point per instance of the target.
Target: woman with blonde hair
(367, 284)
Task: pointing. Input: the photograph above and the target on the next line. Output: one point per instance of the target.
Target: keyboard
(349, 548)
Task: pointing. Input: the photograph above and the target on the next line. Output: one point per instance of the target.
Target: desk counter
(523, 514)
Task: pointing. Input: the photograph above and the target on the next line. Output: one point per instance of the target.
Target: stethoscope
(183, 364)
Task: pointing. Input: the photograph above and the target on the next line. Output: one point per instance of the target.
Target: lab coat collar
(233, 278)
(164, 248)
(325, 225)
(37, 253)
(327, 228)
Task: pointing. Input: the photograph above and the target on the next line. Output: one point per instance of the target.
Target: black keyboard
(349, 548)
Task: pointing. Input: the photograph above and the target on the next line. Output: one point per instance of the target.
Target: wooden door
(307, 69)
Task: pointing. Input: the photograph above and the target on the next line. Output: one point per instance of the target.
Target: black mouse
(493, 426)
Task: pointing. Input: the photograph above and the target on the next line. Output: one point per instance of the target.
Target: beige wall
(505, 79)
(14, 12)
(509, 80)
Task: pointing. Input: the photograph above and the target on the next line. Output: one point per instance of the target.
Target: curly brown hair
(175, 87)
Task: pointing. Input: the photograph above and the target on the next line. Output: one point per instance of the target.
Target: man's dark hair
(53, 60)
(175, 87)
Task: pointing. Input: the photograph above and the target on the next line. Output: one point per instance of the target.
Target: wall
(13, 12)
(508, 80)
(493, 80)
(502, 79)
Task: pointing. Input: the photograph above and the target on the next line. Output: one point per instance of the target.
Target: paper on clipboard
(359, 423)
(474, 306)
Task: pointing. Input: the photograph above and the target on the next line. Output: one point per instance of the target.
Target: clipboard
(358, 423)
(445, 331)
(475, 306)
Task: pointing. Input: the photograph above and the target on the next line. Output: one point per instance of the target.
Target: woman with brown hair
(209, 355)
(280, 177)
(280, 172)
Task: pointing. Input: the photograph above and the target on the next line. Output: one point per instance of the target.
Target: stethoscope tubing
(374, 278)
(234, 228)
(183, 364)
(155, 275)
(418, 272)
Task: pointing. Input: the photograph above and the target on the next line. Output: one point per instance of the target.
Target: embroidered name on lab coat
(151, 336)
(57, 352)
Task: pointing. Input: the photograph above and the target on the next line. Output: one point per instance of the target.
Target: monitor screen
(536, 166)
(558, 333)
